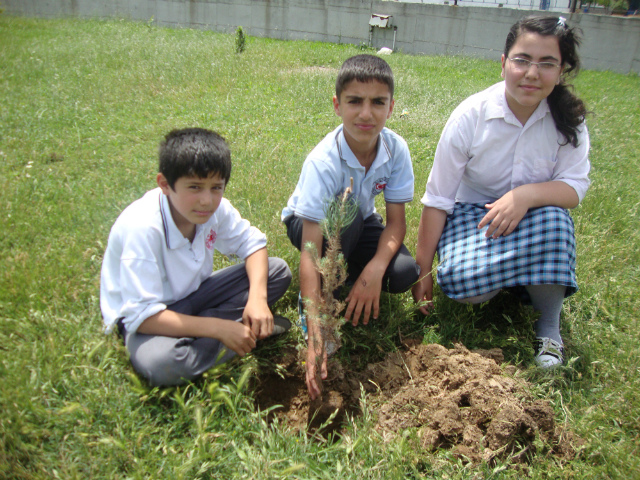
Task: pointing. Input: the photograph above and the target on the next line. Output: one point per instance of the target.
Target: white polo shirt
(485, 152)
(328, 168)
(149, 264)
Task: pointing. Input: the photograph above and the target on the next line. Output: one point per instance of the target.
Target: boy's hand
(313, 354)
(423, 292)
(259, 318)
(237, 337)
(364, 297)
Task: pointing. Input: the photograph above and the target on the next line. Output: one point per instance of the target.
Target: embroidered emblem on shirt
(210, 240)
(379, 185)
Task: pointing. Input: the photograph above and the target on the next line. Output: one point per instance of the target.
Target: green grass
(83, 106)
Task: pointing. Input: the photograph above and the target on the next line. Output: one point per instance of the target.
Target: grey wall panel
(609, 42)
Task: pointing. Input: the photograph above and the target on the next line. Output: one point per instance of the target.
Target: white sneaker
(549, 353)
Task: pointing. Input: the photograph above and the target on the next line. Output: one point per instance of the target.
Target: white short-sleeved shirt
(328, 168)
(485, 152)
(149, 264)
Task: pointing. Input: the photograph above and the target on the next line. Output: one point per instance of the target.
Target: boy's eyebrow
(200, 181)
(358, 97)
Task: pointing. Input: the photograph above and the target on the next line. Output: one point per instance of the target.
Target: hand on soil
(423, 292)
(364, 298)
(310, 366)
(237, 337)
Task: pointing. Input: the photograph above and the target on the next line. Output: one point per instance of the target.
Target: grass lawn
(83, 106)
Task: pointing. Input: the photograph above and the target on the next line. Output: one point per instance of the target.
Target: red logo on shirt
(210, 240)
(379, 185)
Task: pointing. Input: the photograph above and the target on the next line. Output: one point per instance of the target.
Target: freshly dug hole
(454, 398)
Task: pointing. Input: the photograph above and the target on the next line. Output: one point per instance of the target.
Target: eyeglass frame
(537, 64)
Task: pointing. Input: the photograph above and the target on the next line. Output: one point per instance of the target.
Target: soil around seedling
(453, 398)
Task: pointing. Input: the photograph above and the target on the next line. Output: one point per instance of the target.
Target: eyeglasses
(522, 64)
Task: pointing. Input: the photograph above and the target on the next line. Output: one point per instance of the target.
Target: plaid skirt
(541, 250)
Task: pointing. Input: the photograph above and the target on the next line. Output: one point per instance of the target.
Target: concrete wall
(610, 43)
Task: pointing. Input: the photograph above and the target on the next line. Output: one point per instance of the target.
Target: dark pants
(359, 245)
(173, 361)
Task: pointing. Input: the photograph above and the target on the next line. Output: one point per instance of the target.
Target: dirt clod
(453, 398)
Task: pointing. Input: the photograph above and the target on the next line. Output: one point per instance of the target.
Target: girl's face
(527, 86)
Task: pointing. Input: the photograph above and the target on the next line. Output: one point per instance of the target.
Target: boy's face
(193, 199)
(364, 108)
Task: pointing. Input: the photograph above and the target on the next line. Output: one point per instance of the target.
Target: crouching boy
(177, 318)
(378, 160)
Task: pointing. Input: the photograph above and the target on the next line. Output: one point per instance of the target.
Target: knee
(279, 275)
(161, 370)
(162, 365)
(279, 270)
(405, 273)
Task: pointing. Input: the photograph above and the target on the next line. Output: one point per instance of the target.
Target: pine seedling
(339, 212)
(241, 40)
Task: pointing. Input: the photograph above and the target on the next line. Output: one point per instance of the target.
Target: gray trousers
(359, 245)
(165, 361)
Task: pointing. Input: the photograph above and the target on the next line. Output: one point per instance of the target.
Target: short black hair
(364, 68)
(194, 152)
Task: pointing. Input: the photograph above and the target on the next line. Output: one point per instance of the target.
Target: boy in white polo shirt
(157, 286)
(378, 160)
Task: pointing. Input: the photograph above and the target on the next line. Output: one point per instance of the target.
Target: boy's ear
(393, 102)
(502, 60)
(336, 105)
(163, 183)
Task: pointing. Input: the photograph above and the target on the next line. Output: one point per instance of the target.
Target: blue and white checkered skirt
(541, 250)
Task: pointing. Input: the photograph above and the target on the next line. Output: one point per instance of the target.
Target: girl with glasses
(510, 162)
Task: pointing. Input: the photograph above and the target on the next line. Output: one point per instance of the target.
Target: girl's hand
(423, 292)
(504, 215)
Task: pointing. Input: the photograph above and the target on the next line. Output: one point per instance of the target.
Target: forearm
(310, 286)
(257, 266)
(554, 193)
(173, 324)
(430, 230)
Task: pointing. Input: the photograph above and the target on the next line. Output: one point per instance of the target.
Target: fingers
(490, 215)
(246, 341)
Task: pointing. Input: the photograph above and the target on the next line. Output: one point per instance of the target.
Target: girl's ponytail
(568, 112)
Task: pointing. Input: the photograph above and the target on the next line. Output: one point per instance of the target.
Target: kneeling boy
(157, 285)
(378, 160)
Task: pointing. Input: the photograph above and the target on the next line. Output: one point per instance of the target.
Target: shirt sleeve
(140, 282)
(236, 236)
(449, 163)
(572, 165)
(318, 183)
(400, 187)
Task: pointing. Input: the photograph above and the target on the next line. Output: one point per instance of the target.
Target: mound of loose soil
(454, 398)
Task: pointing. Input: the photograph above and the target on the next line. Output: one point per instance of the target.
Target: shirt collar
(498, 108)
(173, 236)
(382, 155)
